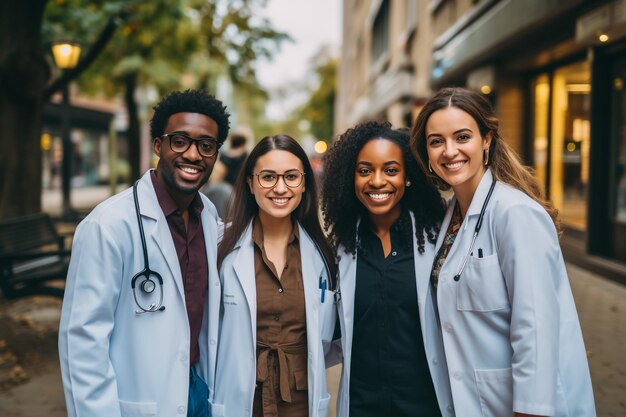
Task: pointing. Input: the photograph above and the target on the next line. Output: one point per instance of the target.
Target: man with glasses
(133, 342)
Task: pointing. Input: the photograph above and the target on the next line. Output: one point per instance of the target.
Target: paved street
(28, 330)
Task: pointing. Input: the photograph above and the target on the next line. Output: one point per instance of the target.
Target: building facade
(554, 69)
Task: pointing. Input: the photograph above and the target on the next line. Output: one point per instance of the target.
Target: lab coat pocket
(495, 391)
(132, 409)
(322, 406)
(481, 286)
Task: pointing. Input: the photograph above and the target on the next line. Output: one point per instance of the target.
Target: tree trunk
(133, 133)
(23, 75)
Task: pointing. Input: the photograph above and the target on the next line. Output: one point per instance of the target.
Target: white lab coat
(428, 321)
(115, 362)
(511, 333)
(236, 356)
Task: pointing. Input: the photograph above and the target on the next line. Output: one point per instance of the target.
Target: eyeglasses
(180, 143)
(269, 179)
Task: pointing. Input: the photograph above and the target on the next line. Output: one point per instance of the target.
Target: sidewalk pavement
(601, 305)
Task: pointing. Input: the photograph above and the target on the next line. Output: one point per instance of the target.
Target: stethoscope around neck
(479, 223)
(145, 277)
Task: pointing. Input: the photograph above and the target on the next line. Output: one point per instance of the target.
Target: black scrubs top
(389, 374)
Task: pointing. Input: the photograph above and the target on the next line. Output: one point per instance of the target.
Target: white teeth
(454, 165)
(189, 170)
(380, 196)
(280, 200)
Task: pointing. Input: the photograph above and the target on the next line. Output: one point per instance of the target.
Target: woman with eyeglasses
(383, 219)
(512, 338)
(278, 310)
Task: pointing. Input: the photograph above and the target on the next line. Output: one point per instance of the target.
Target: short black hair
(190, 101)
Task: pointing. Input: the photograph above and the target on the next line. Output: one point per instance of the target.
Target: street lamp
(66, 56)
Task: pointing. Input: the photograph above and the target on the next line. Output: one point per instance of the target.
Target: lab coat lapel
(244, 269)
(160, 233)
(464, 236)
(312, 270)
(209, 228)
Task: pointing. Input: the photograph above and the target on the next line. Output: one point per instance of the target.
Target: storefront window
(562, 139)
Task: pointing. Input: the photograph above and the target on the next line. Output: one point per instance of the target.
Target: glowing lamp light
(46, 140)
(485, 89)
(66, 54)
(603, 38)
(320, 146)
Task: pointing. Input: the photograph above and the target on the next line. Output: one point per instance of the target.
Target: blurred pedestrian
(512, 338)
(278, 308)
(139, 320)
(220, 186)
(383, 218)
(234, 157)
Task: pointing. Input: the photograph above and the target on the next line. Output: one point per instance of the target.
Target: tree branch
(103, 39)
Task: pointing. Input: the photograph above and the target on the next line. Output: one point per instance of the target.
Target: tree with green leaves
(25, 83)
(159, 43)
(173, 44)
(319, 109)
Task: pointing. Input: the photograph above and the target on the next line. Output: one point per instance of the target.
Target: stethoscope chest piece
(148, 285)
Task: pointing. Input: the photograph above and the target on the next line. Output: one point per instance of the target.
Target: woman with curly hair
(511, 333)
(278, 311)
(383, 218)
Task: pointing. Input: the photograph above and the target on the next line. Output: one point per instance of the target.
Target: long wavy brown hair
(504, 162)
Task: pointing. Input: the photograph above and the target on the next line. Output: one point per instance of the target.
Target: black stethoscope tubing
(476, 230)
(147, 285)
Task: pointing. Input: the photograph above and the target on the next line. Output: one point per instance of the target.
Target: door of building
(617, 181)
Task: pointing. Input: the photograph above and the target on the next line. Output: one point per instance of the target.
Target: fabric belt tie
(263, 369)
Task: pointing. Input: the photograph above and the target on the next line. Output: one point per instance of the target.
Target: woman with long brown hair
(277, 272)
(510, 330)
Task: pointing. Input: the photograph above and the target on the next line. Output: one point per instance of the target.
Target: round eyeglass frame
(302, 174)
(192, 140)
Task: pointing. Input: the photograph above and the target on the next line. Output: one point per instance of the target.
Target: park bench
(32, 253)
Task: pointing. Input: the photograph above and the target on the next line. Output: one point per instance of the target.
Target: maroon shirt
(192, 259)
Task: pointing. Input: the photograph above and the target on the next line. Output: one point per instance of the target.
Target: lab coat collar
(481, 193)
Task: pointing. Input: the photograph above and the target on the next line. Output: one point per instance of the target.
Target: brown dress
(281, 388)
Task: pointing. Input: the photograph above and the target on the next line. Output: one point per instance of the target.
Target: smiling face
(455, 149)
(279, 201)
(184, 173)
(379, 179)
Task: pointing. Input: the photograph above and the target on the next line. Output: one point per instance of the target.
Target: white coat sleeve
(91, 295)
(529, 256)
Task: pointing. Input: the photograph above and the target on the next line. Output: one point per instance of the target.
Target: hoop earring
(408, 183)
(429, 167)
(486, 156)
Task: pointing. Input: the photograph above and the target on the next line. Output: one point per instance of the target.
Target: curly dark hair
(190, 101)
(341, 207)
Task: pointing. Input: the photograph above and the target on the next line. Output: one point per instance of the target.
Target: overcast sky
(311, 24)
